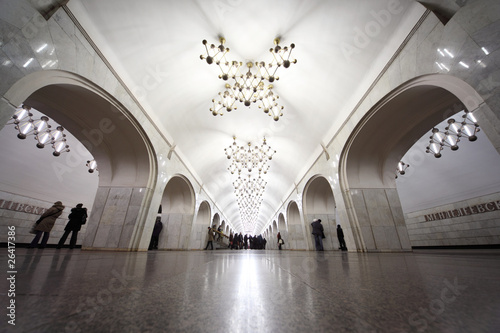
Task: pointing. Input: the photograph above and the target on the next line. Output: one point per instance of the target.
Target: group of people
(78, 217)
(319, 235)
(43, 226)
(239, 242)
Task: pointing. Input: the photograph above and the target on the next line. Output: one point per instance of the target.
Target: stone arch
(177, 214)
(216, 220)
(201, 223)
(296, 238)
(282, 228)
(376, 145)
(125, 157)
(319, 203)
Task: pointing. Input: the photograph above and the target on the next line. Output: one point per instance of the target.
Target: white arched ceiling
(155, 49)
(178, 197)
(116, 144)
(318, 197)
(38, 174)
(96, 125)
(384, 136)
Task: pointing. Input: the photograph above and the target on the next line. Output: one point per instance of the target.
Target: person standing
(77, 218)
(45, 224)
(340, 236)
(155, 237)
(317, 231)
(210, 239)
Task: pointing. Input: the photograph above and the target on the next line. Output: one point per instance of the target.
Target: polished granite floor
(253, 291)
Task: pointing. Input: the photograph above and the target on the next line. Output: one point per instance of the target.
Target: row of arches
(129, 176)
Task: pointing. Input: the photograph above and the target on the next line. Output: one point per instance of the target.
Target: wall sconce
(401, 169)
(41, 130)
(92, 165)
(452, 134)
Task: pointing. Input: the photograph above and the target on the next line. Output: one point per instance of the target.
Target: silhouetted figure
(210, 239)
(45, 224)
(77, 218)
(317, 231)
(340, 236)
(155, 237)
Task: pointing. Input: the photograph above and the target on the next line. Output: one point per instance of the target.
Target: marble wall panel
(101, 238)
(466, 230)
(359, 206)
(116, 206)
(378, 207)
(367, 235)
(102, 194)
(65, 47)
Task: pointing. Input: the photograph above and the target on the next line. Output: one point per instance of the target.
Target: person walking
(317, 231)
(340, 236)
(155, 237)
(280, 241)
(45, 224)
(77, 218)
(210, 239)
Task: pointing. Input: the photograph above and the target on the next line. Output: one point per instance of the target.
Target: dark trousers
(318, 239)
(72, 241)
(343, 247)
(153, 244)
(211, 245)
(45, 238)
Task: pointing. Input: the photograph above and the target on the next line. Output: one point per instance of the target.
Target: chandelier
(26, 125)
(452, 133)
(250, 163)
(251, 82)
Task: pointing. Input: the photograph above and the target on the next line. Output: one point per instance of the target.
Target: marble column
(113, 218)
(381, 220)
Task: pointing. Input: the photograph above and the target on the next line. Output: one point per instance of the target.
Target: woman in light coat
(47, 221)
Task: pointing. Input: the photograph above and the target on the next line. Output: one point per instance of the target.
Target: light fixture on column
(26, 125)
(401, 168)
(452, 133)
(250, 81)
(92, 166)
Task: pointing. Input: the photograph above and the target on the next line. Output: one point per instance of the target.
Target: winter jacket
(77, 217)
(49, 217)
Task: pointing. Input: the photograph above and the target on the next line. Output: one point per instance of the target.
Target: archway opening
(101, 130)
(319, 203)
(178, 211)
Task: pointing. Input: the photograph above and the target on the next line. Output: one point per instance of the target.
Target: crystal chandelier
(251, 82)
(250, 163)
(40, 129)
(452, 133)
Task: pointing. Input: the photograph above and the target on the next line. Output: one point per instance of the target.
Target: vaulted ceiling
(155, 47)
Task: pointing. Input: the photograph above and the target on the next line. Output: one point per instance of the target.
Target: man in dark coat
(155, 237)
(77, 217)
(340, 236)
(46, 223)
(317, 231)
